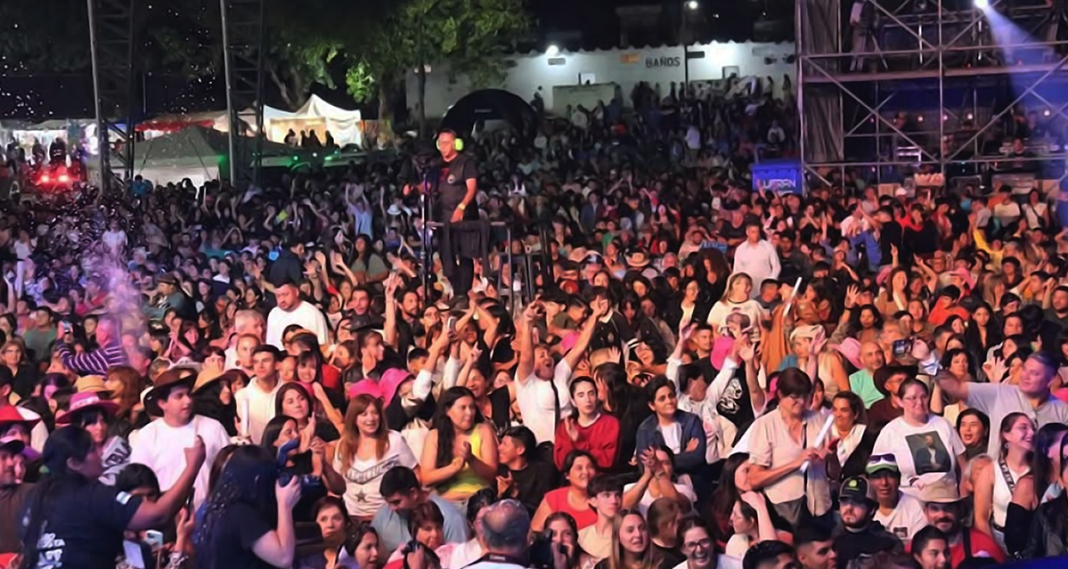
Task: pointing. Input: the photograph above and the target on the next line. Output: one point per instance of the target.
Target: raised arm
(600, 308)
(391, 312)
(526, 343)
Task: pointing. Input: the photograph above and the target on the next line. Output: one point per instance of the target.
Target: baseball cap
(856, 489)
(880, 463)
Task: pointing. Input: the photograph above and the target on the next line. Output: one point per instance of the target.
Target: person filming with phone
(99, 361)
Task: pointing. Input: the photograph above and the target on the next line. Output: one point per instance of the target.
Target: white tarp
(316, 115)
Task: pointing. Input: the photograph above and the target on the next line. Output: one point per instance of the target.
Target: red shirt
(599, 439)
(331, 377)
(557, 501)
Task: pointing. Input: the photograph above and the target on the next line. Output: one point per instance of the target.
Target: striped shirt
(96, 362)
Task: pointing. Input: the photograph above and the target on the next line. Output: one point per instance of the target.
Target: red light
(63, 178)
(46, 178)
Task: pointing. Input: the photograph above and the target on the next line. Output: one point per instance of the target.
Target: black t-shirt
(239, 529)
(452, 186)
(532, 483)
(82, 525)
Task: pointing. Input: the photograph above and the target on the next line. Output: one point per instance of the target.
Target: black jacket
(1048, 530)
(851, 545)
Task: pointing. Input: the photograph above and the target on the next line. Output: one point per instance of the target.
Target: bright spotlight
(553, 51)
(693, 5)
(1045, 113)
(969, 116)
(982, 4)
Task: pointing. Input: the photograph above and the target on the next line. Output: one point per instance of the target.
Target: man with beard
(943, 508)
(859, 534)
(161, 445)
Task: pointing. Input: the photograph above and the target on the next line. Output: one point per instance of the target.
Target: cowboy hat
(82, 401)
(90, 384)
(205, 378)
(11, 414)
(940, 492)
(174, 377)
(577, 255)
(638, 260)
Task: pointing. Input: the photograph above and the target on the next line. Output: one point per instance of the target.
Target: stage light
(982, 4)
(919, 118)
(969, 116)
(553, 51)
(1045, 113)
(693, 5)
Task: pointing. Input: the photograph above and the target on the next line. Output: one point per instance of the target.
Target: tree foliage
(465, 34)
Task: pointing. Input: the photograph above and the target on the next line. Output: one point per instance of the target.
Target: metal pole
(234, 123)
(800, 72)
(941, 95)
(101, 128)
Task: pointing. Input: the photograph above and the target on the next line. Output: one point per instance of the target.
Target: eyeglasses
(705, 543)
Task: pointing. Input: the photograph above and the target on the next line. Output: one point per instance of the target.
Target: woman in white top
(1002, 483)
(752, 524)
(736, 299)
(926, 446)
(366, 451)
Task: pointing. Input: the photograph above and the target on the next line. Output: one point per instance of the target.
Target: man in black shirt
(457, 185)
(859, 534)
(12, 496)
(522, 476)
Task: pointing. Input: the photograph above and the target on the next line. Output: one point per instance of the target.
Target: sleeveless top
(1002, 494)
(467, 482)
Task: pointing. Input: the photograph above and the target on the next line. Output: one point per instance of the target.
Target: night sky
(585, 24)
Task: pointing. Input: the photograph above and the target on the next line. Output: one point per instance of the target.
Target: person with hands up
(75, 520)
(541, 383)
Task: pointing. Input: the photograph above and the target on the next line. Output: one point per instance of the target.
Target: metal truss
(944, 52)
(244, 25)
(113, 41)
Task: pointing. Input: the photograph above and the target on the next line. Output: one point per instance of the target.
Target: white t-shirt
(906, 519)
(537, 403)
(927, 453)
(304, 315)
(363, 478)
(256, 408)
(114, 239)
(162, 448)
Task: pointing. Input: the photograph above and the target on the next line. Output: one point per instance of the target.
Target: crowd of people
(662, 368)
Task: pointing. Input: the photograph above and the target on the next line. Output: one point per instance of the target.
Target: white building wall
(625, 67)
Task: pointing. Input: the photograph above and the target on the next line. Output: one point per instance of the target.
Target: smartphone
(450, 324)
(154, 539)
(902, 347)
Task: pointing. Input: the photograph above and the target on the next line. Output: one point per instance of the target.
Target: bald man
(863, 382)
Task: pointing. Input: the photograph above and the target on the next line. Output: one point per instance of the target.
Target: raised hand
(196, 454)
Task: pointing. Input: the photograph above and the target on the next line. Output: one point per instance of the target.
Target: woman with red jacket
(587, 429)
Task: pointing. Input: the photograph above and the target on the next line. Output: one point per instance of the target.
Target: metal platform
(930, 87)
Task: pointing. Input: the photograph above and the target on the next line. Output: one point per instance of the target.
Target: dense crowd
(662, 368)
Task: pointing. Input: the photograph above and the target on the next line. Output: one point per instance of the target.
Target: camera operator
(502, 529)
(248, 519)
(74, 520)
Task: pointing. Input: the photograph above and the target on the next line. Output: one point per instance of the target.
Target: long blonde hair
(650, 559)
(350, 439)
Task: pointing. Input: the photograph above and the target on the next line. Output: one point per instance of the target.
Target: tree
(465, 34)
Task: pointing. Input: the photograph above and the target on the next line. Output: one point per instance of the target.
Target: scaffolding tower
(113, 41)
(244, 41)
(890, 88)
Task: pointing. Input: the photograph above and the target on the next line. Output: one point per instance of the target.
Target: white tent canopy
(316, 115)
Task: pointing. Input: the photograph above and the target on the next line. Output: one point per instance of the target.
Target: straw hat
(90, 384)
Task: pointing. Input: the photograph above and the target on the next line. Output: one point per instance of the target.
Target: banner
(779, 176)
